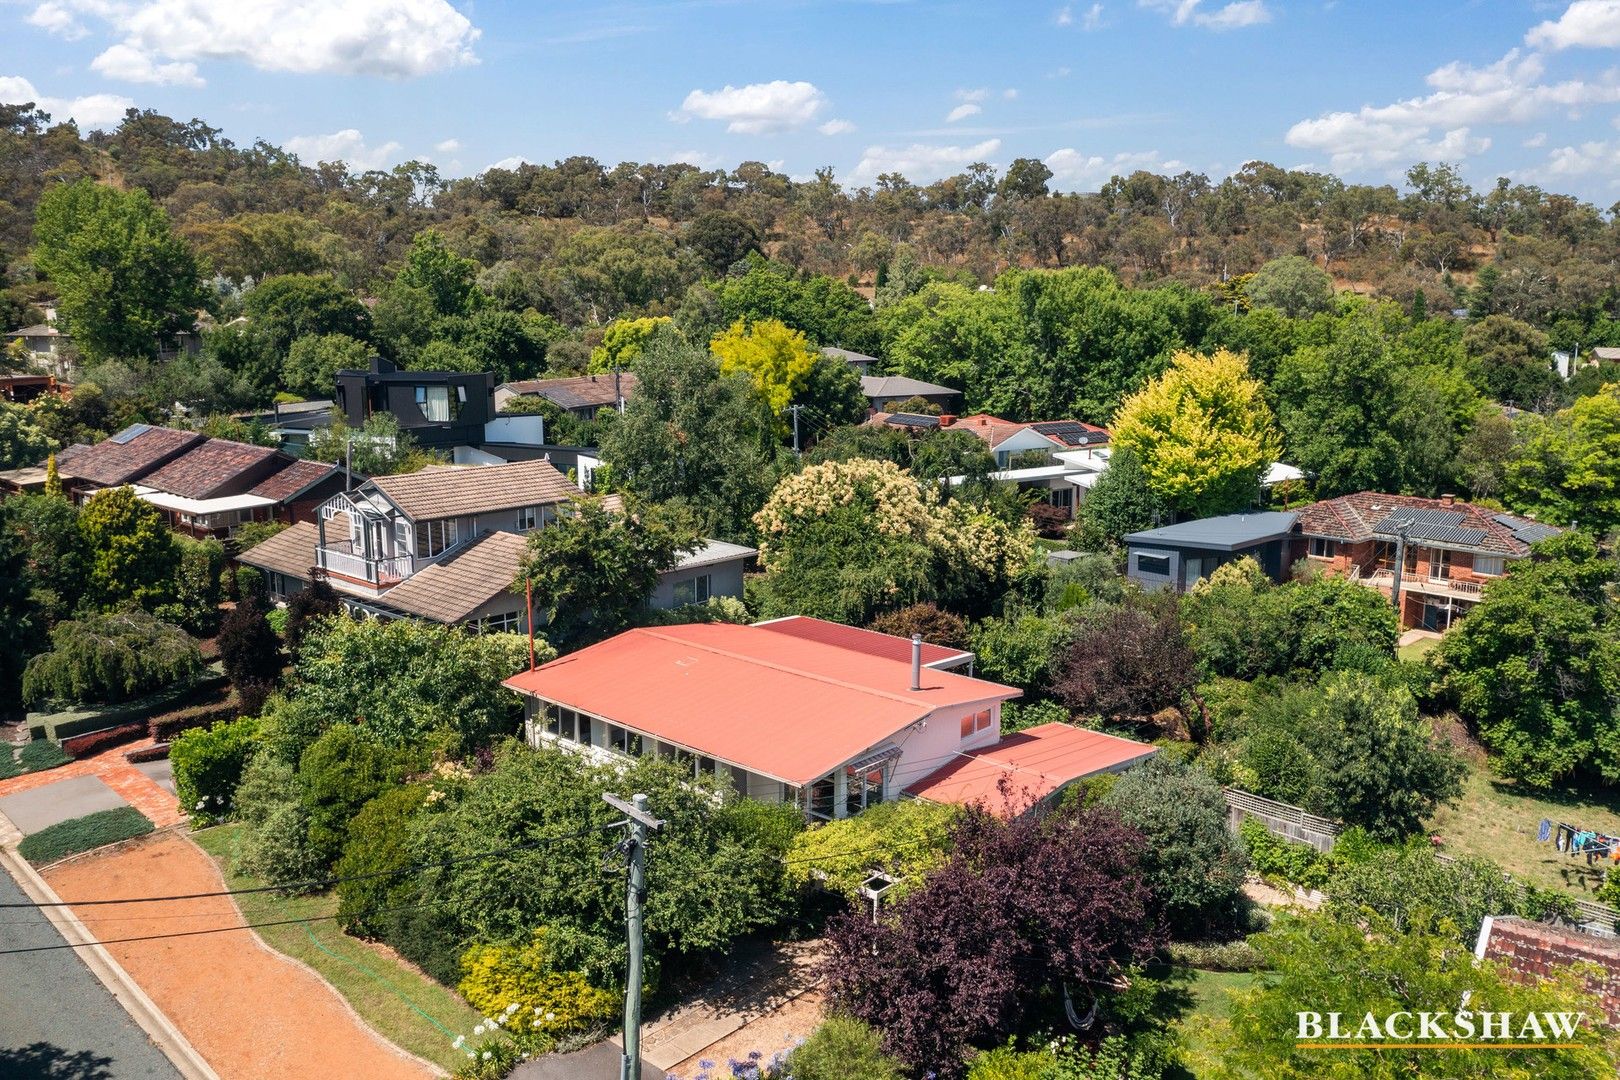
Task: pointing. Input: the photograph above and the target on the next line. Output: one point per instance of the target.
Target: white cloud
(58, 20)
(920, 162)
(1064, 16)
(1439, 125)
(1591, 24)
(1566, 162)
(449, 146)
(392, 38)
(1538, 139)
(978, 94)
(836, 127)
(1075, 171)
(1231, 16)
(1093, 18)
(347, 146)
(128, 64)
(91, 112)
(1010, 94)
(510, 163)
(962, 112)
(755, 109)
(701, 158)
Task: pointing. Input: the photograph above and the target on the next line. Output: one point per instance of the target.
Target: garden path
(128, 781)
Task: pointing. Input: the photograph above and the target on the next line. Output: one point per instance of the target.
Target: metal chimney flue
(916, 661)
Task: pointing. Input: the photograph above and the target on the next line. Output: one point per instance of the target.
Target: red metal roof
(858, 639)
(774, 704)
(1035, 763)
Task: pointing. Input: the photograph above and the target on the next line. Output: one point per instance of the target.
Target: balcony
(339, 557)
(1414, 582)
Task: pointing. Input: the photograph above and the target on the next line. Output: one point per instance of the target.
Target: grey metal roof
(713, 552)
(892, 387)
(1230, 532)
(848, 355)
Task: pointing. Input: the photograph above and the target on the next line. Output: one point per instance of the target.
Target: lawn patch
(84, 834)
(391, 996)
(42, 754)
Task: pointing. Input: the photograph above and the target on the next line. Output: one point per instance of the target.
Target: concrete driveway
(62, 801)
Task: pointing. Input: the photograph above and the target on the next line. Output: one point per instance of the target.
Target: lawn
(1498, 819)
(84, 834)
(1418, 649)
(1211, 1002)
(399, 1002)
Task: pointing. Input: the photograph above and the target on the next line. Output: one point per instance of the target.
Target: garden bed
(35, 756)
(84, 834)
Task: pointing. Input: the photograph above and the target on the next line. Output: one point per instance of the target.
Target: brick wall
(1532, 950)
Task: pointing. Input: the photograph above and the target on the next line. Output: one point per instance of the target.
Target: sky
(1362, 88)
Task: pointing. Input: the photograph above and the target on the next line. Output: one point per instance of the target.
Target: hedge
(89, 743)
(208, 765)
(165, 727)
(160, 752)
(84, 834)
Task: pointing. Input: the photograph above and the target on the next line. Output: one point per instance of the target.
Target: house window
(1484, 564)
(402, 537)
(625, 742)
(1153, 564)
(862, 789)
(692, 591)
(434, 401)
(1322, 548)
(822, 793)
(981, 720)
(510, 622)
(528, 517)
(553, 717)
(434, 537)
(967, 725)
(582, 729)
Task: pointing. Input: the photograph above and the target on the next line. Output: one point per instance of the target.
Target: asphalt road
(57, 1022)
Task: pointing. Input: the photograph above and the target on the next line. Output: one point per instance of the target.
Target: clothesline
(1573, 841)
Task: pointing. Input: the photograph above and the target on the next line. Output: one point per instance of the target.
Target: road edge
(134, 1001)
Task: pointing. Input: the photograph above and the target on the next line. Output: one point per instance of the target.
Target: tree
(1294, 285)
(593, 570)
(936, 627)
(1403, 886)
(1568, 467)
(624, 340)
(22, 631)
(133, 555)
(1018, 908)
(1025, 179)
(251, 653)
(1535, 667)
(1127, 662)
(1121, 502)
(450, 281)
(123, 281)
(1511, 361)
(777, 358)
(22, 442)
(1484, 453)
(308, 606)
(1192, 861)
(1423, 968)
(721, 238)
(379, 448)
(694, 436)
(830, 397)
(292, 306)
(103, 659)
(54, 556)
(1202, 432)
(825, 309)
(314, 360)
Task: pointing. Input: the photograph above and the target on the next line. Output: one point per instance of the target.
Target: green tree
(825, 309)
(450, 281)
(1401, 885)
(1423, 968)
(1121, 502)
(1511, 360)
(314, 360)
(624, 340)
(133, 555)
(1535, 667)
(721, 238)
(830, 397)
(1202, 432)
(778, 359)
(22, 631)
(22, 442)
(55, 559)
(1567, 469)
(124, 282)
(379, 448)
(593, 570)
(1294, 285)
(292, 306)
(102, 659)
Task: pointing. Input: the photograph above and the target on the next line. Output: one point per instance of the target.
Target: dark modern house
(439, 409)
(1177, 556)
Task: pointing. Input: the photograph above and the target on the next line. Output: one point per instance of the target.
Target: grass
(387, 993)
(36, 756)
(1418, 649)
(84, 834)
(1211, 994)
(1498, 820)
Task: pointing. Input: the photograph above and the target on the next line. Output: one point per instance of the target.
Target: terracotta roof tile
(451, 590)
(580, 392)
(1352, 518)
(288, 482)
(291, 551)
(127, 456)
(457, 490)
(212, 467)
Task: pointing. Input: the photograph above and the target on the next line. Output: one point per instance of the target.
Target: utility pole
(635, 848)
(794, 409)
(1400, 565)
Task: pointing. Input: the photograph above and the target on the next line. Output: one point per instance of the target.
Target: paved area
(599, 1062)
(250, 1011)
(62, 801)
(135, 786)
(771, 1036)
(160, 773)
(56, 1021)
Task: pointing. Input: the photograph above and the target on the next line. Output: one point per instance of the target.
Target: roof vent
(916, 661)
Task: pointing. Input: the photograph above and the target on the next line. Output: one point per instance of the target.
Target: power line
(318, 883)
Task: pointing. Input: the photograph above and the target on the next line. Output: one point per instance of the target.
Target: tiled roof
(1065, 434)
(296, 477)
(291, 551)
(452, 589)
(127, 456)
(210, 467)
(580, 392)
(776, 705)
(456, 490)
(1034, 763)
(1354, 519)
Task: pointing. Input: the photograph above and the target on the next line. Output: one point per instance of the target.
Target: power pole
(794, 409)
(635, 847)
(1400, 565)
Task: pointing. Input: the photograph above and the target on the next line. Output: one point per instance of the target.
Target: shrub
(249, 582)
(1406, 886)
(937, 627)
(1022, 648)
(1005, 1063)
(89, 743)
(196, 586)
(1216, 956)
(84, 834)
(1273, 857)
(251, 653)
(842, 1048)
(104, 659)
(208, 764)
(277, 849)
(379, 842)
(339, 773)
(159, 752)
(905, 839)
(1018, 715)
(1127, 662)
(165, 727)
(306, 608)
(42, 754)
(552, 1002)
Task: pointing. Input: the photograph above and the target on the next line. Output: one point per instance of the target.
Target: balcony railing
(1412, 581)
(381, 572)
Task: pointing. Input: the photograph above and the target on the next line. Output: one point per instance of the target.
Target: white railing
(387, 571)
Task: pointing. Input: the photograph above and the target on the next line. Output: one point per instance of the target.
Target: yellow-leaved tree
(1202, 432)
(777, 357)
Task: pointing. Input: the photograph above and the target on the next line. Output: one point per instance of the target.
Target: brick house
(1532, 951)
(1453, 549)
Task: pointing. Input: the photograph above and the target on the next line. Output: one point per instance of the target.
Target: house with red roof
(1448, 551)
(831, 719)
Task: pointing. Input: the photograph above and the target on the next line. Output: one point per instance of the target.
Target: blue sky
(1359, 87)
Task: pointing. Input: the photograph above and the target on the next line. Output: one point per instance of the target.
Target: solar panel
(1070, 432)
(130, 433)
(914, 420)
(1424, 515)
